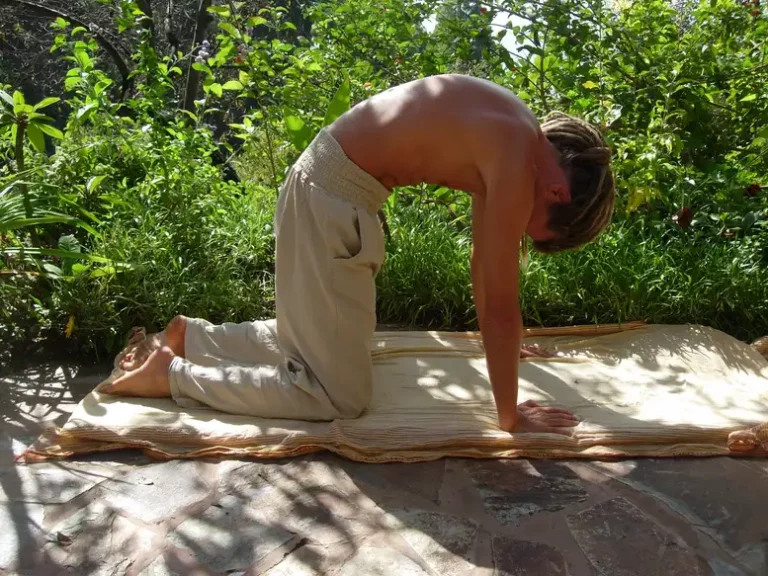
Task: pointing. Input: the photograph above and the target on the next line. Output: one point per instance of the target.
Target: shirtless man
(552, 182)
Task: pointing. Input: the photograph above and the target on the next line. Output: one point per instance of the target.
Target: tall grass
(215, 260)
(658, 274)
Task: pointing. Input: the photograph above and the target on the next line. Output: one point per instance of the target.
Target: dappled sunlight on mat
(638, 390)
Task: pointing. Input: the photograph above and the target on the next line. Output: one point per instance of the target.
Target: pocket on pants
(368, 250)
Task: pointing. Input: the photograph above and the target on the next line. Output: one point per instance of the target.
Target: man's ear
(560, 193)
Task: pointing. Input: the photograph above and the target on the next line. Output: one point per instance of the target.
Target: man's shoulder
(506, 140)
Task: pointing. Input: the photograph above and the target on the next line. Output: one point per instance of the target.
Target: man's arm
(501, 225)
(476, 266)
(499, 222)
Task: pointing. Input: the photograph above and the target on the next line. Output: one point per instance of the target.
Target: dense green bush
(127, 213)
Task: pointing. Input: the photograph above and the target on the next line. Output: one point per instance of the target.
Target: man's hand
(532, 351)
(534, 418)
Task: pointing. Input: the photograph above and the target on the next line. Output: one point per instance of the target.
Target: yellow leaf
(70, 326)
(589, 85)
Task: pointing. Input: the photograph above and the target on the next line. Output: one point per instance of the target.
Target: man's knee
(355, 402)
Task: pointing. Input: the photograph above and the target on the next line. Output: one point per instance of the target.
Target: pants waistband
(326, 165)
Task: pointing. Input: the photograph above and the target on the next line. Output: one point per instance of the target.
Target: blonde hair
(586, 159)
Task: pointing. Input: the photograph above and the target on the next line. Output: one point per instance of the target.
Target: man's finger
(562, 422)
(536, 351)
(561, 431)
(553, 410)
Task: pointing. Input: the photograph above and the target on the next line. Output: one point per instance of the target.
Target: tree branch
(193, 76)
(100, 38)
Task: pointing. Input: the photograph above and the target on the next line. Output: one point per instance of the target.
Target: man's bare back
(435, 130)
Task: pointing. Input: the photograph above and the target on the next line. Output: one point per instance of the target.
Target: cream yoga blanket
(639, 390)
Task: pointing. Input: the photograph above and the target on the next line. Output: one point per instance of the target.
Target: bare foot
(137, 352)
(150, 380)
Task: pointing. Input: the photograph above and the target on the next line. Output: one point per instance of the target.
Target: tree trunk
(147, 23)
(20, 129)
(193, 76)
(168, 29)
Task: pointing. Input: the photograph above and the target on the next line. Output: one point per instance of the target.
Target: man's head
(576, 196)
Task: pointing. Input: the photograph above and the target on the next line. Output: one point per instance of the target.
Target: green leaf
(93, 183)
(52, 131)
(37, 117)
(232, 85)
(18, 98)
(83, 59)
(339, 104)
(589, 85)
(256, 21)
(222, 11)
(46, 102)
(298, 132)
(86, 110)
(69, 242)
(7, 97)
(199, 67)
(749, 98)
(22, 109)
(51, 269)
(70, 82)
(229, 29)
(36, 137)
(78, 268)
(58, 253)
(191, 115)
(216, 88)
(104, 271)
(17, 223)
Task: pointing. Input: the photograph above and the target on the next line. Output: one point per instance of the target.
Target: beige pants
(313, 362)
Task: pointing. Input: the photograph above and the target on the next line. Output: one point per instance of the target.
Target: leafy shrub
(127, 212)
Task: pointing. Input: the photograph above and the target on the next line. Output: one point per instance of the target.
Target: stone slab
(620, 540)
(723, 497)
(20, 534)
(445, 543)
(51, 482)
(513, 557)
(379, 561)
(514, 489)
(231, 535)
(157, 493)
(97, 541)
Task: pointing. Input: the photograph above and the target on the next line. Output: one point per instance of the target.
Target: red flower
(683, 217)
(238, 59)
(483, 10)
(399, 59)
(753, 189)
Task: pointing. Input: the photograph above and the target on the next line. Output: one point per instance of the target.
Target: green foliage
(114, 210)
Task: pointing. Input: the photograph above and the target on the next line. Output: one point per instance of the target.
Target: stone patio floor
(122, 513)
